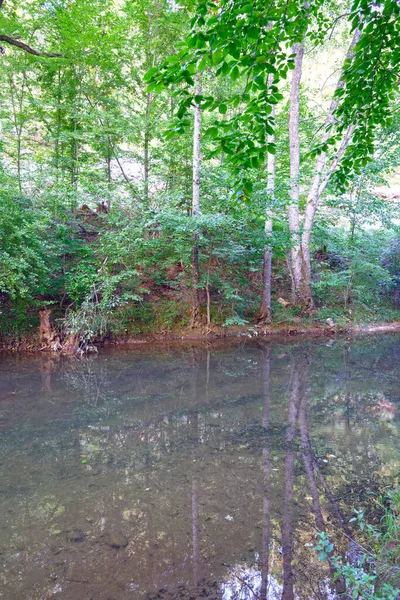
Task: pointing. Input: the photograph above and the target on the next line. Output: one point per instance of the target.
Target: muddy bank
(33, 342)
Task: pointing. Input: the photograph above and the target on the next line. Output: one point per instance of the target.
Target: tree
(300, 252)
(265, 312)
(195, 316)
(248, 41)
(105, 160)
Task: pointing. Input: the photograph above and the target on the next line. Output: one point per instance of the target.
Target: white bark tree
(265, 312)
(294, 191)
(195, 310)
(319, 183)
(301, 226)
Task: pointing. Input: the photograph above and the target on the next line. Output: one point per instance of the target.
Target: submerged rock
(115, 540)
(77, 574)
(75, 535)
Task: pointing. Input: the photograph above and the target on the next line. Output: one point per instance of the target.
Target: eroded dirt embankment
(32, 343)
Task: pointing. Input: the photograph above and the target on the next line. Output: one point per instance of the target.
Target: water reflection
(190, 472)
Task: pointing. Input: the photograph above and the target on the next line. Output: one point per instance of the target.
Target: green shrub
(372, 571)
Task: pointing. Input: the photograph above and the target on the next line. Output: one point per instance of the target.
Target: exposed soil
(32, 343)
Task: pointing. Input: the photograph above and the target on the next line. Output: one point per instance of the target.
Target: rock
(75, 535)
(115, 540)
(77, 574)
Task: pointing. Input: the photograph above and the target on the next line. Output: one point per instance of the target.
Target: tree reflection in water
(190, 472)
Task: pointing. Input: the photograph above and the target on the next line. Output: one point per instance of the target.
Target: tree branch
(346, 14)
(346, 139)
(14, 42)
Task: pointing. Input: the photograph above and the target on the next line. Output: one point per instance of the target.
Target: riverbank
(254, 331)
(31, 343)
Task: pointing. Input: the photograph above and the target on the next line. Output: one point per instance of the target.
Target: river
(191, 471)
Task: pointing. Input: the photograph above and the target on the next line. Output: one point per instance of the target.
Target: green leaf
(235, 73)
(235, 101)
(270, 68)
(217, 57)
(150, 73)
(203, 64)
(212, 132)
(226, 67)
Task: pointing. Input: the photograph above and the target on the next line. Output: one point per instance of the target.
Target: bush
(391, 262)
(371, 571)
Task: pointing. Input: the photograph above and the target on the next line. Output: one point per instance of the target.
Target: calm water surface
(190, 472)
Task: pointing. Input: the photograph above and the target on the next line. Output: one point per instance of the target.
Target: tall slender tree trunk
(294, 192)
(108, 166)
(146, 149)
(57, 143)
(265, 313)
(149, 63)
(75, 157)
(318, 185)
(195, 311)
(19, 161)
(196, 156)
(17, 100)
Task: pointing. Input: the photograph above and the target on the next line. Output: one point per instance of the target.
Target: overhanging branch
(15, 42)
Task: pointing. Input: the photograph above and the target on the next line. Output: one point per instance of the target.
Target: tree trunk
(70, 344)
(294, 140)
(108, 168)
(208, 287)
(195, 312)
(146, 150)
(48, 335)
(17, 101)
(75, 157)
(19, 161)
(318, 185)
(57, 142)
(265, 312)
(196, 155)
